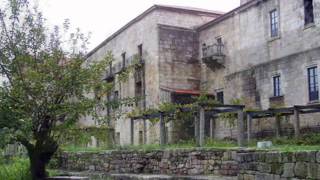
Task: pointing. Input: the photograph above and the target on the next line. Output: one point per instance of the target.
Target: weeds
(18, 169)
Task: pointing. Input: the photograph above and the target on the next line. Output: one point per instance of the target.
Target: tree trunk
(37, 166)
(40, 156)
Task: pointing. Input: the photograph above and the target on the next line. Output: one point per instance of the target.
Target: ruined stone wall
(246, 165)
(253, 58)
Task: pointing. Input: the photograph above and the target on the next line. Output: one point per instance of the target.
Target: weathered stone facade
(246, 165)
(153, 30)
(253, 57)
(173, 41)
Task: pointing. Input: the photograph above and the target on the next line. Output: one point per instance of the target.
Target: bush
(305, 139)
(18, 169)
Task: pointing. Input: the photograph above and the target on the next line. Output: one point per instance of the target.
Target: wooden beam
(162, 130)
(296, 123)
(202, 124)
(312, 106)
(222, 106)
(240, 129)
(309, 111)
(132, 131)
(249, 127)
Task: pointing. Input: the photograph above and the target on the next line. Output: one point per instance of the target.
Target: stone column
(240, 128)
(196, 128)
(277, 126)
(132, 131)
(249, 127)
(162, 130)
(296, 123)
(212, 123)
(202, 124)
(144, 131)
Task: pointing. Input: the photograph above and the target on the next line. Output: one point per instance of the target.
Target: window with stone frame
(117, 139)
(313, 86)
(123, 55)
(276, 86)
(274, 23)
(308, 12)
(220, 97)
(140, 51)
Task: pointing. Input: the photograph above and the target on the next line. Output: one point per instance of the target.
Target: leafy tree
(49, 83)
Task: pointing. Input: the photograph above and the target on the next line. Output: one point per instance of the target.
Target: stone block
(248, 177)
(301, 170)
(314, 171)
(263, 176)
(288, 170)
(288, 157)
(276, 168)
(273, 157)
(318, 157)
(264, 167)
(302, 156)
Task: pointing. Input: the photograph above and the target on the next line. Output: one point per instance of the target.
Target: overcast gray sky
(103, 17)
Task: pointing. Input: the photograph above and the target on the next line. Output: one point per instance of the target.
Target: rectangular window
(117, 138)
(220, 97)
(219, 45)
(116, 96)
(308, 12)
(313, 83)
(276, 86)
(274, 23)
(123, 59)
(140, 51)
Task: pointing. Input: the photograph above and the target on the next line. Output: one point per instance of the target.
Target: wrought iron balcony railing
(213, 54)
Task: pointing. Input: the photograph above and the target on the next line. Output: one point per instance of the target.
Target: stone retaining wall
(247, 165)
(275, 165)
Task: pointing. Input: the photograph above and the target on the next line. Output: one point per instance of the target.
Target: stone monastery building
(265, 52)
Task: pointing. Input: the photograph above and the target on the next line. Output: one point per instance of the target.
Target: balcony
(213, 55)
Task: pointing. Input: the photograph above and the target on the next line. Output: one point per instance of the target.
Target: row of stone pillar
(296, 124)
(199, 123)
(199, 128)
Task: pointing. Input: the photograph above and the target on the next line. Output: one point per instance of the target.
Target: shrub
(18, 169)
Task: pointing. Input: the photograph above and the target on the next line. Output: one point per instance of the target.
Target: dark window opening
(139, 94)
(308, 12)
(116, 96)
(219, 45)
(313, 83)
(276, 86)
(140, 51)
(220, 97)
(219, 40)
(274, 23)
(123, 60)
(117, 138)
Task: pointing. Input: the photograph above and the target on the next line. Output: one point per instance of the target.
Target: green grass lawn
(310, 142)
